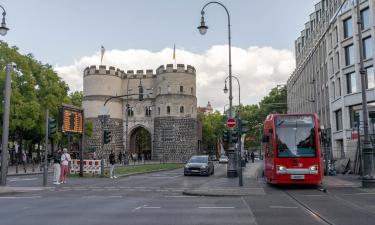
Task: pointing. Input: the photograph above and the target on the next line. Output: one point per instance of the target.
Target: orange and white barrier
(89, 166)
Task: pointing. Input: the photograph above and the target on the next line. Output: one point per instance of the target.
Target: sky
(67, 34)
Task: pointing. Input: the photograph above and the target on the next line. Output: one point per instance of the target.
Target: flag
(174, 51)
(102, 54)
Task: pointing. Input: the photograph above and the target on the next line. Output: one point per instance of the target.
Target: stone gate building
(161, 127)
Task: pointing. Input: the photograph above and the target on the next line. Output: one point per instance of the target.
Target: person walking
(119, 157)
(65, 159)
(252, 156)
(56, 167)
(112, 162)
(24, 159)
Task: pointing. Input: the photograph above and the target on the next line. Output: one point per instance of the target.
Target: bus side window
(265, 139)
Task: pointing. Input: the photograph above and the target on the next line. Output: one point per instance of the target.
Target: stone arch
(140, 143)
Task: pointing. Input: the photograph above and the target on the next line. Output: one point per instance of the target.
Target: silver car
(199, 165)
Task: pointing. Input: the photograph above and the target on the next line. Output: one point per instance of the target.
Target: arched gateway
(140, 146)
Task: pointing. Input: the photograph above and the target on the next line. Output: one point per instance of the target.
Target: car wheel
(213, 171)
(185, 174)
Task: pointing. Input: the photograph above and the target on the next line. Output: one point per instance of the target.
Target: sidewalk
(12, 190)
(14, 171)
(342, 181)
(223, 186)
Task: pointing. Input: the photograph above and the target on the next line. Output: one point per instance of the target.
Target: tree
(213, 127)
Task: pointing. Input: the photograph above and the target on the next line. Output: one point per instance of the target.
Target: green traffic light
(52, 126)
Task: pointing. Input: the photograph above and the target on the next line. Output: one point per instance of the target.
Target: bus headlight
(280, 169)
(313, 169)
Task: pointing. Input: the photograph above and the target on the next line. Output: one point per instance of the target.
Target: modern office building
(326, 79)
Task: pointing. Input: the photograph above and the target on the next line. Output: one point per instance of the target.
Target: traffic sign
(231, 123)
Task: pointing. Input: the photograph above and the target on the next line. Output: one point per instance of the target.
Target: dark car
(199, 165)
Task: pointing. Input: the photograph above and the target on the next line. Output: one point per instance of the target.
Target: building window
(181, 89)
(354, 117)
(158, 110)
(168, 89)
(192, 90)
(332, 66)
(336, 36)
(367, 48)
(365, 17)
(370, 79)
(349, 55)
(181, 109)
(337, 61)
(168, 110)
(148, 110)
(351, 83)
(338, 83)
(348, 27)
(334, 90)
(338, 120)
(130, 111)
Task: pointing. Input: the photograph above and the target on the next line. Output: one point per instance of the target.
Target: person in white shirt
(65, 159)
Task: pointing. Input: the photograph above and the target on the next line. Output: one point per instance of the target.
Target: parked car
(199, 165)
(223, 159)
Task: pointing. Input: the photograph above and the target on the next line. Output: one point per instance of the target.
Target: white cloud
(258, 68)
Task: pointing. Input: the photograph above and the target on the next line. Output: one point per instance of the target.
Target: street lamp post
(4, 152)
(231, 169)
(368, 179)
(239, 89)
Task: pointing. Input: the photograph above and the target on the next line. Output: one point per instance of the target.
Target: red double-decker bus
(291, 149)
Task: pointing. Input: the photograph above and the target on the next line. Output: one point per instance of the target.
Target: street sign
(71, 119)
(231, 123)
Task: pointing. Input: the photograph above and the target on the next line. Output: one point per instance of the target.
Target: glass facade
(351, 83)
(367, 48)
(370, 77)
(349, 55)
(365, 16)
(348, 27)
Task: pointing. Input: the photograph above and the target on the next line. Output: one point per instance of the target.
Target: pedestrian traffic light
(235, 136)
(52, 126)
(225, 136)
(107, 136)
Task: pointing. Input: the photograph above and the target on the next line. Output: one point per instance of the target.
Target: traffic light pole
(46, 152)
(239, 158)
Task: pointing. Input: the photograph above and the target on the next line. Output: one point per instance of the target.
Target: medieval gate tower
(167, 116)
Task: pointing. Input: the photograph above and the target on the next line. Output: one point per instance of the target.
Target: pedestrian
(56, 167)
(112, 162)
(23, 159)
(252, 156)
(65, 159)
(94, 156)
(119, 157)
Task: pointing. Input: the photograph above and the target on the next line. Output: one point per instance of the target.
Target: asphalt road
(157, 199)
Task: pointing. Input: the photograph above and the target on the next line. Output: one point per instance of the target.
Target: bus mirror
(265, 138)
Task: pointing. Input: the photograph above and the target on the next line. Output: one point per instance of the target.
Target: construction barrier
(89, 167)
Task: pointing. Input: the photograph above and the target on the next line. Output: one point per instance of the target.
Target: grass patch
(128, 170)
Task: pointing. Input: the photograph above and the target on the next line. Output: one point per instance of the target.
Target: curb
(27, 174)
(147, 172)
(202, 194)
(16, 190)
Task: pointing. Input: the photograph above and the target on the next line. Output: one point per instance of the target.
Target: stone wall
(175, 139)
(95, 141)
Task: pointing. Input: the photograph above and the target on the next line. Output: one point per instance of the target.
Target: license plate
(194, 170)
(297, 177)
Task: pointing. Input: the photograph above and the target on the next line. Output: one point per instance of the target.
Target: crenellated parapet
(102, 70)
(179, 69)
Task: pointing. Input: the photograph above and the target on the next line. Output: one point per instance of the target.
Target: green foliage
(213, 127)
(35, 88)
(273, 103)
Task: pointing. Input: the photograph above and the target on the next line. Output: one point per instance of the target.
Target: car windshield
(295, 136)
(223, 157)
(198, 160)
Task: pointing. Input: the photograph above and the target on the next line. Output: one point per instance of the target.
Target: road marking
(115, 196)
(22, 179)
(20, 197)
(314, 195)
(282, 207)
(179, 196)
(152, 207)
(216, 207)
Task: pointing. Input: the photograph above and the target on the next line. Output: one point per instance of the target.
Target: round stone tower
(175, 124)
(99, 84)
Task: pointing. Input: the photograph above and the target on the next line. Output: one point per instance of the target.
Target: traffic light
(243, 126)
(235, 136)
(225, 136)
(52, 126)
(107, 136)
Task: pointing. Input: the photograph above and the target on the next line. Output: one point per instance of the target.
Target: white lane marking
(314, 195)
(282, 207)
(152, 207)
(19, 197)
(216, 207)
(114, 196)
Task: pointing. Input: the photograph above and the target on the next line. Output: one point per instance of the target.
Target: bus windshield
(295, 136)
